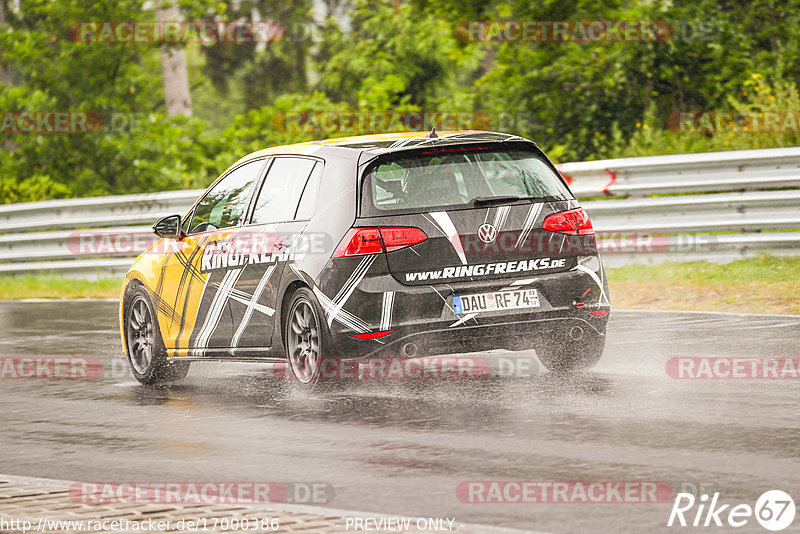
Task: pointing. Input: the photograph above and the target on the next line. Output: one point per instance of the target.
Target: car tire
(566, 356)
(305, 338)
(146, 353)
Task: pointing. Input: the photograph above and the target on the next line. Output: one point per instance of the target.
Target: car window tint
(455, 176)
(308, 201)
(224, 204)
(280, 194)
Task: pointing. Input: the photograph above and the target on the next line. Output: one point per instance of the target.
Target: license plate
(497, 301)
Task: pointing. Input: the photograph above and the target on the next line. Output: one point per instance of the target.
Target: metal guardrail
(94, 212)
(724, 212)
(686, 173)
(712, 224)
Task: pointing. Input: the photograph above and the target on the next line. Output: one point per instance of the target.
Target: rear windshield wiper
(507, 199)
(488, 201)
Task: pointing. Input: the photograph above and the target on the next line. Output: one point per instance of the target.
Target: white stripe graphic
(356, 323)
(463, 320)
(296, 271)
(354, 280)
(530, 220)
(448, 228)
(501, 216)
(588, 271)
(349, 282)
(355, 277)
(401, 142)
(217, 307)
(239, 293)
(252, 304)
(444, 299)
(203, 335)
(517, 283)
(386, 310)
(344, 317)
(325, 302)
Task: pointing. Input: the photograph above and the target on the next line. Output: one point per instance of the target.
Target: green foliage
(577, 100)
(32, 189)
(396, 57)
(265, 69)
(760, 95)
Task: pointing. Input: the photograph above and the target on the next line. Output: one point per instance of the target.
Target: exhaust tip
(576, 333)
(409, 350)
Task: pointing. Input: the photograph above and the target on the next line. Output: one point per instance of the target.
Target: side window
(280, 194)
(309, 199)
(224, 204)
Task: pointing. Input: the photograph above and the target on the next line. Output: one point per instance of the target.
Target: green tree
(396, 57)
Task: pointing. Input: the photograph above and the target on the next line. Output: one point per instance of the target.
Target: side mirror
(169, 226)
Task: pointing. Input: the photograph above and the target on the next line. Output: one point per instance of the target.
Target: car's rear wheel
(568, 355)
(146, 352)
(304, 338)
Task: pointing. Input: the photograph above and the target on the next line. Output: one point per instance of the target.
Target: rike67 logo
(774, 510)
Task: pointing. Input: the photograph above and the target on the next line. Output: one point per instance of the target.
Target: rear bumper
(511, 332)
(425, 315)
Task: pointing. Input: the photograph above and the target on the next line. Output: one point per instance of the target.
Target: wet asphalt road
(402, 447)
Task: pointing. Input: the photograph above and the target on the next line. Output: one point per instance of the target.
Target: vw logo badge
(487, 233)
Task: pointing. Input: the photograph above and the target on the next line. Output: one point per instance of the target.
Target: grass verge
(51, 286)
(757, 285)
(763, 284)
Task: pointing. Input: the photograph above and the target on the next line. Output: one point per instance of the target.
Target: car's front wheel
(147, 355)
(304, 338)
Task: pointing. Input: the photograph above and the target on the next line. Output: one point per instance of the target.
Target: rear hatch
(488, 212)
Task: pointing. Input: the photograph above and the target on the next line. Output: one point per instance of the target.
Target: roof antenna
(432, 135)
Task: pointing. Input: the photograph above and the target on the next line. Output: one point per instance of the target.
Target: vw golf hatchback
(397, 245)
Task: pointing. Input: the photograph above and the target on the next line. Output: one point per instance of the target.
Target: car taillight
(373, 240)
(395, 237)
(572, 222)
(360, 241)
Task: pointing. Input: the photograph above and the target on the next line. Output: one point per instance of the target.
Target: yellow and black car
(384, 245)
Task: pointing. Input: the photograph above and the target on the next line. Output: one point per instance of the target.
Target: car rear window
(456, 176)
